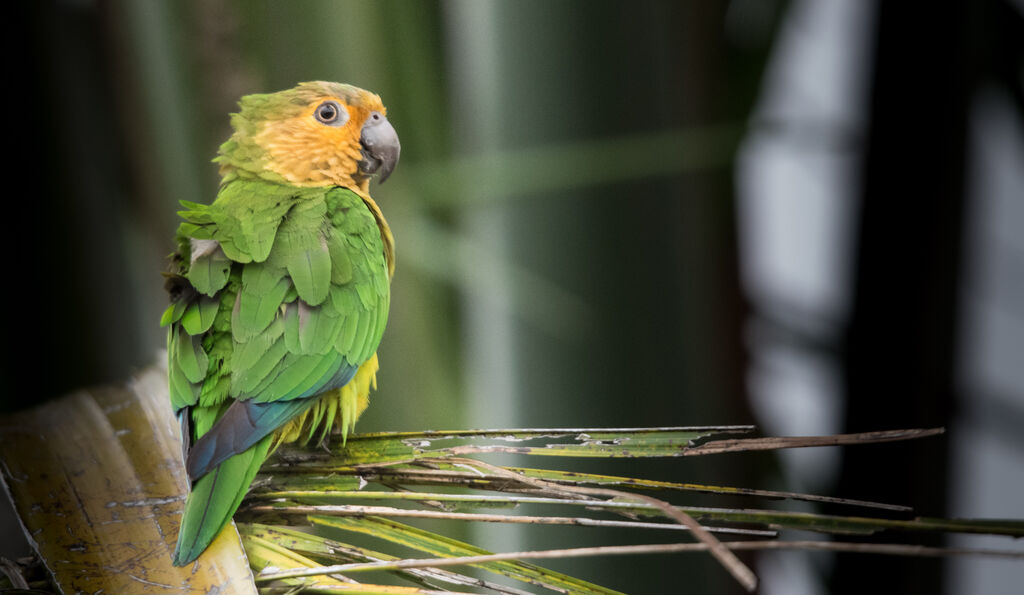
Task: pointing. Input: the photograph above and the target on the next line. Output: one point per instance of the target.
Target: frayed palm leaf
(378, 478)
(98, 483)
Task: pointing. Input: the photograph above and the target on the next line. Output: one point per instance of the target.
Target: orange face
(321, 144)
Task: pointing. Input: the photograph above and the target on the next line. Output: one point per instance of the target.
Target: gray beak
(380, 147)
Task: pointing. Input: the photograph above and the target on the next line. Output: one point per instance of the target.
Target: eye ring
(331, 113)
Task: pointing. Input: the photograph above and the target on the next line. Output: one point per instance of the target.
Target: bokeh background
(805, 215)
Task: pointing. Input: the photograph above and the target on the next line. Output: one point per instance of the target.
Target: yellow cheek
(305, 152)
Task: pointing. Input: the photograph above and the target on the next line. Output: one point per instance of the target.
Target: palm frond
(97, 477)
(378, 478)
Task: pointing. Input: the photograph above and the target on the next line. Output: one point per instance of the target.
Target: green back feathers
(281, 293)
(247, 258)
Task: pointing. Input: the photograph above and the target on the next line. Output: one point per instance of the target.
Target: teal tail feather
(214, 499)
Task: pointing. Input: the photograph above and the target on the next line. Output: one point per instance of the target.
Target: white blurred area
(797, 188)
(988, 455)
(798, 194)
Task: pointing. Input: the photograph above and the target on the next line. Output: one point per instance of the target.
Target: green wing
(282, 293)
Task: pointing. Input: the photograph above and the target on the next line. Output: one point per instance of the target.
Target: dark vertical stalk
(901, 341)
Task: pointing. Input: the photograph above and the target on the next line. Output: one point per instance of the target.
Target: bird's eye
(331, 113)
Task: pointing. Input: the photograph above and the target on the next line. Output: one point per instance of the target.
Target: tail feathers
(243, 424)
(214, 499)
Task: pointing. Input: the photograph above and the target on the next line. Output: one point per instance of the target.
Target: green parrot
(279, 291)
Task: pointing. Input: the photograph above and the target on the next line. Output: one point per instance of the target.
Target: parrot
(279, 291)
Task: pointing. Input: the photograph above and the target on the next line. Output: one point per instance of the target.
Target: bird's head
(316, 134)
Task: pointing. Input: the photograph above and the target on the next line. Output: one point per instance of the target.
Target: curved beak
(380, 146)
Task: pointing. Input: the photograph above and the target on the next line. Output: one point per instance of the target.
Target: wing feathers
(263, 290)
(210, 267)
(198, 318)
(190, 356)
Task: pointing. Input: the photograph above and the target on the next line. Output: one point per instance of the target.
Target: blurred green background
(580, 215)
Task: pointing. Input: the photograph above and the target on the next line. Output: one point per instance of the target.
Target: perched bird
(279, 291)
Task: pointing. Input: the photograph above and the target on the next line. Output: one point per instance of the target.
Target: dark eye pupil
(331, 113)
